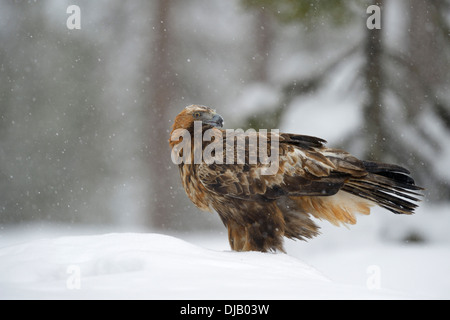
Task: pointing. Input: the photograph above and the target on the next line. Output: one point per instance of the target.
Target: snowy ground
(44, 263)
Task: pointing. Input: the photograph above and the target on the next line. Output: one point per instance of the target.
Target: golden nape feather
(267, 185)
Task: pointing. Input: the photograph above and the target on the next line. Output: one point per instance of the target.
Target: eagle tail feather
(389, 186)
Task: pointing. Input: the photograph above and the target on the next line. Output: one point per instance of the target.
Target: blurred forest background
(85, 114)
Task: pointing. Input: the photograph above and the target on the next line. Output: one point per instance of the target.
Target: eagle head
(186, 118)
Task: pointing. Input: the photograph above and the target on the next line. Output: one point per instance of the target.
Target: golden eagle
(260, 208)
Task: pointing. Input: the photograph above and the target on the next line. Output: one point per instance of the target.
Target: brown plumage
(311, 180)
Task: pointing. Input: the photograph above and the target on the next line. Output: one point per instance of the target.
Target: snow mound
(154, 266)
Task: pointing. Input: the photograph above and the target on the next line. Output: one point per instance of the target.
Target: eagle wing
(329, 184)
(305, 168)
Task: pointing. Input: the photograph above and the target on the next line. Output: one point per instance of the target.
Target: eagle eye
(197, 115)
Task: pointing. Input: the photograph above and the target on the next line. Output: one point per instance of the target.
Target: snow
(155, 266)
(340, 264)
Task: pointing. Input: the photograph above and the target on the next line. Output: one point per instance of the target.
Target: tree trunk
(263, 45)
(373, 107)
(160, 91)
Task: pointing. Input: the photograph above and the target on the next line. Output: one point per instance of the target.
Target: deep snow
(155, 266)
(340, 264)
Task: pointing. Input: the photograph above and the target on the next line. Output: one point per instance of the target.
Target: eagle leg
(237, 236)
(262, 235)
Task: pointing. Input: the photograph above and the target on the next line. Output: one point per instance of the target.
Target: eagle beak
(215, 121)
